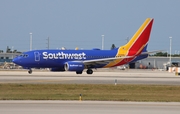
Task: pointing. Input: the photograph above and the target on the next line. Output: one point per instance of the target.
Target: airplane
(78, 60)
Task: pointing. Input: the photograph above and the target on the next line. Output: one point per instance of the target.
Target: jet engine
(74, 66)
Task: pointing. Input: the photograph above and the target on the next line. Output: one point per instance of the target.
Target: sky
(81, 23)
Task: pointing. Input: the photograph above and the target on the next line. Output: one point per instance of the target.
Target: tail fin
(139, 41)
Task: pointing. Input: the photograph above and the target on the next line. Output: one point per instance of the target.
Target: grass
(100, 92)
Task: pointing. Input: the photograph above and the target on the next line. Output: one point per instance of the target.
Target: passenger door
(37, 56)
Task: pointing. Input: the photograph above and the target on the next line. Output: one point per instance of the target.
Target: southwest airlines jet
(78, 60)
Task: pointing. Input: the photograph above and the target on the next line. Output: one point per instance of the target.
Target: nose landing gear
(30, 71)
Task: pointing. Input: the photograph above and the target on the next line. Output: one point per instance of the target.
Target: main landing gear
(89, 71)
(79, 72)
(30, 71)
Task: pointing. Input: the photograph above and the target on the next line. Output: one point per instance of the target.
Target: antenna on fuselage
(63, 48)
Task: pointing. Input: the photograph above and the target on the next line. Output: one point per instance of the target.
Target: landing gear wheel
(89, 71)
(78, 72)
(30, 71)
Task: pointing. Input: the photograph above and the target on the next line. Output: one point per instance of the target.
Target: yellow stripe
(123, 50)
(126, 47)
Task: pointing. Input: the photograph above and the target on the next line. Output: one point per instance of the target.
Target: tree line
(9, 50)
(165, 54)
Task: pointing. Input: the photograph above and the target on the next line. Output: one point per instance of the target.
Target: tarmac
(98, 77)
(89, 107)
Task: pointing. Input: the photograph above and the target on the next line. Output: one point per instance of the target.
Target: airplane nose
(15, 60)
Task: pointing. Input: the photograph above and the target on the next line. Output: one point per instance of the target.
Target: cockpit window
(24, 55)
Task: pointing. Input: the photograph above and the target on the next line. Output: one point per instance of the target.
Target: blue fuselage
(57, 58)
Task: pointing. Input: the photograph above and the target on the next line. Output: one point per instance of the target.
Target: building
(156, 62)
(7, 57)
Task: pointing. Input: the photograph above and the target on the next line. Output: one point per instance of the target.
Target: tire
(89, 71)
(78, 72)
(30, 71)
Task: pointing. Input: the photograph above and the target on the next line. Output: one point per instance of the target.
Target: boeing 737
(78, 60)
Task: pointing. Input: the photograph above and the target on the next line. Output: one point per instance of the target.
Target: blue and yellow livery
(78, 60)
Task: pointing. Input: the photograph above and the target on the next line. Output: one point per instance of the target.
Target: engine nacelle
(74, 66)
(57, 69)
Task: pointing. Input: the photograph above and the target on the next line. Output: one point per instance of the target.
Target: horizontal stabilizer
(144, 53)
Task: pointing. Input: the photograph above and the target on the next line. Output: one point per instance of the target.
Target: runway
(87, 107)
(122, 77)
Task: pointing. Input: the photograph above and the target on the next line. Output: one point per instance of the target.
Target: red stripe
(142, 40)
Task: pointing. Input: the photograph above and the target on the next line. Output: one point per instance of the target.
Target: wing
(103, 61)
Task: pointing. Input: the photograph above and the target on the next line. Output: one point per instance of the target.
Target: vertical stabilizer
(139, 41)
(135, 46)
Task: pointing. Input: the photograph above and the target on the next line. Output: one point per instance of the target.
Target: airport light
(170, 50)
(102, 42)
(30, 41)
(12, 51)
(47, 43)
